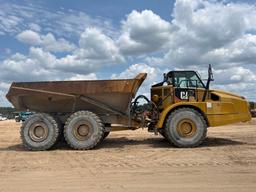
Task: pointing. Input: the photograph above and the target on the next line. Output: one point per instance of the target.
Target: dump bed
(99, 96)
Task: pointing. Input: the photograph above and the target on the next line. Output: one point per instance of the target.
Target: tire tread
(100, 133)
(169, 119)
(49, 144)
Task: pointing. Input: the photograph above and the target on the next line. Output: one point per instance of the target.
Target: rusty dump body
(103, 97)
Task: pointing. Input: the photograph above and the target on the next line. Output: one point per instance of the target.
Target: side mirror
(165, 77)
(210, 78)
(210, 74)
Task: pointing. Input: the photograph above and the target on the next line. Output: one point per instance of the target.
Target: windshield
(184, 79)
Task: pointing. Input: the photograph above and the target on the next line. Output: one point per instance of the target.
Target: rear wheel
(39, 132)
(60, 140)
(185, 127)
(83, 130)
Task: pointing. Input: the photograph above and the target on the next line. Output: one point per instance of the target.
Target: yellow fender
(200, 106)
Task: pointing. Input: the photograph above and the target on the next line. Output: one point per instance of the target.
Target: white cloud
(243, 88)
(48, 41)
(4, 85)
(63, 22)
(75, 64)
(207, 31)
(234, 75)
(143, 32)
(3, 101)
(90, 76)
(25, 68)
(135, 69)
(60, 45)
(97, 46)
(240, 51)
(29, 37)
(9, 23)
(34, 27)
(154, 75)
(215, 23)
(3, 90)
(42, 65)
(95, 51)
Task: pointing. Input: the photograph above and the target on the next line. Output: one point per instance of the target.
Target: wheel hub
(186, 128)
(38, 132)
(82, 130)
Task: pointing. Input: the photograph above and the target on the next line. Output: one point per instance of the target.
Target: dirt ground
(133, 161)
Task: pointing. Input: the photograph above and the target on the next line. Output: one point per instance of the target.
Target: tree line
(7, 112)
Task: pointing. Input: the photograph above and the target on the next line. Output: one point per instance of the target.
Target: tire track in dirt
(240, 156)
(134, 160)
(7, 158)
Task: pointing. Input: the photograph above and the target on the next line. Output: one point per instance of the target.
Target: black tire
(48, 132)
(185, 127)
(104, 136)
(83, 130)
(162, 132)
(60, 139)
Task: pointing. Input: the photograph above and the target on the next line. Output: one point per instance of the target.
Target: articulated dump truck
(181, 108)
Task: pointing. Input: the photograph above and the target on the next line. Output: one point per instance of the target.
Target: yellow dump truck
(181, 109)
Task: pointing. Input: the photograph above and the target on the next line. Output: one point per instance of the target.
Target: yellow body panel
(228, 109)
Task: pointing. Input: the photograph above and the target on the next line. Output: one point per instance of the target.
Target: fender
(200, 106)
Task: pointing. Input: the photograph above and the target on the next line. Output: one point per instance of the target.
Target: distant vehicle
(2, 118)
(22, 116)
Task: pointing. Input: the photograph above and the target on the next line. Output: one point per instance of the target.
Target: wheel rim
(38, 132)
(186, 128)
(82, 130)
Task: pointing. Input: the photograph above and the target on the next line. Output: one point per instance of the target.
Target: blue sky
(113, 11)
(60, 40)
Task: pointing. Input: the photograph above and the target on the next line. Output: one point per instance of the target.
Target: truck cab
(178, 86)
(186, 89)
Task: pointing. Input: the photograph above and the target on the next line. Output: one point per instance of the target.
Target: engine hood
(226, 94)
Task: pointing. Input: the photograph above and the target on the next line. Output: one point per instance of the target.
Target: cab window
(185, 79)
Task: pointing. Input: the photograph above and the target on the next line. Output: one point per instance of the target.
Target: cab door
(188, 86)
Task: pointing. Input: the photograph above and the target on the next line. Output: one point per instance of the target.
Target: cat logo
(183, 95)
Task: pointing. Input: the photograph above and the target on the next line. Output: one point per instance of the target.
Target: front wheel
(162, 132)
(185, 127)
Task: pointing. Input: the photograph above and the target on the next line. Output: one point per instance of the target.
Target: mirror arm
(210, 78)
